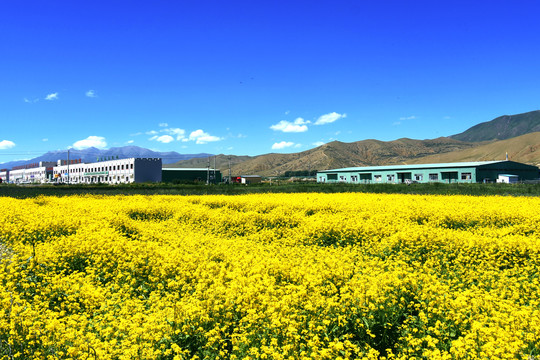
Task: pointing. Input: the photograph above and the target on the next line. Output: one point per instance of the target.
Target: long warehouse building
(114, 171)
(118, 171)
(463, 172)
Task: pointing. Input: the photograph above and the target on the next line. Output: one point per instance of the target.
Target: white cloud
(165, 139)
(282, 145)
(151, 132)
(163, 125)
(329, 118)
(91, 94)
(130, 141)
(91, 141)
(200, 137)
(6, 144)
(45, 139)
(318, 143)
(179, 133)
(403, 118)
(26, 100)
(299, 125)
(53, 96)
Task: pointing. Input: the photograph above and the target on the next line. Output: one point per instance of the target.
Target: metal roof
(417, 166)
(189, 169)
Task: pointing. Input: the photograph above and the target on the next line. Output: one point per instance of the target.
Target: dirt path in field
(5, 251)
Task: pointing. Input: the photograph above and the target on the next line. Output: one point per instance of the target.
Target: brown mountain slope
(338, 154)
(222, 162)
(502, 128)
(524, 148)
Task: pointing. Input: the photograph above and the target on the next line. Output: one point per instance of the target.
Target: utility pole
(229, 169)
(215, 180)
(68, 168)
(208, 172)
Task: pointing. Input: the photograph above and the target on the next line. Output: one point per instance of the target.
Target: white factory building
(32, 173)
(4, 175)
(118, 171)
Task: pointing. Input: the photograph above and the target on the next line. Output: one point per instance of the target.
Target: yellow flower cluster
(270, 276)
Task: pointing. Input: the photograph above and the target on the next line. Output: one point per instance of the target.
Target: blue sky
(253, 77)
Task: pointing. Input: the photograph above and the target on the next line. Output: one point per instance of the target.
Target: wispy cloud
(163, 125)
(130, 141)
(171, 134)
(26, 100)
(282, 145)
(403, 118)
(180, 134)
(318, 143)
(6, 144)
(91, 94)
(44, 139)
(165, 139)
(53, 96)
(201, 137)
(299, 125)
(91, 141)
(329, 118)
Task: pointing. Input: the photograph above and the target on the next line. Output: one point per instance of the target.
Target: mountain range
(515, 135)
(503, 127)
(93, 154)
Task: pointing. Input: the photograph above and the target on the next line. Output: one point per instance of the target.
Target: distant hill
(519, 135)
(524, 149)
(333, 155)
(92, 154)
(221, 161)
(501, 128)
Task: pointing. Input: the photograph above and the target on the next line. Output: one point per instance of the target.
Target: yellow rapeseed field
(270, 276)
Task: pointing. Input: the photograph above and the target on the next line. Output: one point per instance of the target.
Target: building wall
(4, 176)
(120, 171)
(36, 175)
(468, 173)
(147, 170)
(190, 175)
(445, 175)
(492, 171)
(250, 179)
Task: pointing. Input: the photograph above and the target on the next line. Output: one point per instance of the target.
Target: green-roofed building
(463, 172)
(184, 175)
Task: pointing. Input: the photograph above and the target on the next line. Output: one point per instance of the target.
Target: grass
(275, 187)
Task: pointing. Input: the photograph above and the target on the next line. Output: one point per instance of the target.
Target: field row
(277, 276)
